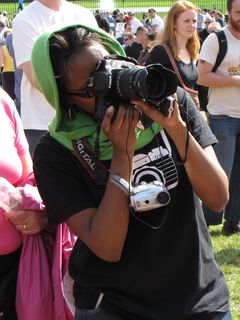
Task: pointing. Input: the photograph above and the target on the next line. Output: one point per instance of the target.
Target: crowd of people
(106, 122)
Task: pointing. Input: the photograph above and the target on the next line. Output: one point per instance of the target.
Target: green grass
(11, 8)
(227, 254)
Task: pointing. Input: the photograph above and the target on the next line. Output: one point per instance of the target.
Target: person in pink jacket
(16, 174)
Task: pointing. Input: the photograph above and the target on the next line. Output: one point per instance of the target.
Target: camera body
(119, 80)
(145, 196)
(149, 196)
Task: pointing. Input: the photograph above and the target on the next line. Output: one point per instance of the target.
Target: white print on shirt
(157, 165)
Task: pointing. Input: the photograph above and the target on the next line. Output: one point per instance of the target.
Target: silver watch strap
(120, 183)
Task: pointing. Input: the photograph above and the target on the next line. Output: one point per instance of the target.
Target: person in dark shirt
(134, 50)
(152, 261)
(103, 23)
(181, 36)
(205, 32)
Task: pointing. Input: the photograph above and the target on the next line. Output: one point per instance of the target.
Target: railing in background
(137, 6)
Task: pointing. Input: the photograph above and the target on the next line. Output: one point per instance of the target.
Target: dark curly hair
(64, 46)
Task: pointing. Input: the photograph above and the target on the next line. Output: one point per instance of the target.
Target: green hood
(64, 131)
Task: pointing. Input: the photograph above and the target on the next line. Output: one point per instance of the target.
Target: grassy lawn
(11, 8)
(227, 254)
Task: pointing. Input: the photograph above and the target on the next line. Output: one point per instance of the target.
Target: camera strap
(94, 167)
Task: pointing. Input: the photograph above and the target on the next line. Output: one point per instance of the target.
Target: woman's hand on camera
(121, 130)
(174, 119)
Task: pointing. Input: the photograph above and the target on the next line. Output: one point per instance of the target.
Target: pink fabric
(11, 239)
(13, 145)
(34, 298)
(43, 265)
(31, 199)
(64, 243)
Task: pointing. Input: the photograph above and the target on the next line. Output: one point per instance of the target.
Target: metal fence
(137, 6)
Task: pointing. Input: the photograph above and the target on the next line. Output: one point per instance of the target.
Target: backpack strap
(222, 40)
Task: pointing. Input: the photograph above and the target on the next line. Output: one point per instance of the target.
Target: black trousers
(8, 282)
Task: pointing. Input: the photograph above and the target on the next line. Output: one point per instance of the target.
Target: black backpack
(202, 90)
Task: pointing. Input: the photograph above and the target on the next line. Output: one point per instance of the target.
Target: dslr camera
(119, 80)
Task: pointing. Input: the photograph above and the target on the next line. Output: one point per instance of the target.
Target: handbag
(193, 93)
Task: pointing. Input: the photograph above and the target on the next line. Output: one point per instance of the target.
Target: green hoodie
(65, 130)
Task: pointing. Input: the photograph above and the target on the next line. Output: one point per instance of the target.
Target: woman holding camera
(127, 263)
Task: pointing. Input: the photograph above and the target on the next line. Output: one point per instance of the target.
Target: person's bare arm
(104, 229)
(211, 79)
(207, 177)
(27, 69)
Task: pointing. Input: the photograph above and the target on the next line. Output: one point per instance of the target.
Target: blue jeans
(227, 131)
(224, 316)
(33, 137)
(105, 315)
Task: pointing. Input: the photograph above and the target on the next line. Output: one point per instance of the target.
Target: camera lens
(156, 84)
(150, 83)
(163, 197)
(130, 83)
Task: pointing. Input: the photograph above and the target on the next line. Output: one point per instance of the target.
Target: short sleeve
(197, 125)
(59, 180)
(20, 140)
(210, 49)
(24, 36)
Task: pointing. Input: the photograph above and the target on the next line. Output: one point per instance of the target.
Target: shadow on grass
(215, 233)
(228, 256)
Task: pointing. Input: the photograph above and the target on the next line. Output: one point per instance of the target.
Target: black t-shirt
(168, 273)
(134, 50)
(188, 72)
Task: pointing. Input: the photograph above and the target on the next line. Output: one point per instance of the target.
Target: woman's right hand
(28, 222)
(121, 130)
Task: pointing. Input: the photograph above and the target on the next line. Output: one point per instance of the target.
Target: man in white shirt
(224, 111)
(135, 22)
(36, 112)
(156, 21)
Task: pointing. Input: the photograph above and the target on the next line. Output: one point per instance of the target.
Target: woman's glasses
(85, 93)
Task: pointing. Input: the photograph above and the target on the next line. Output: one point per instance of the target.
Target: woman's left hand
(28, 222)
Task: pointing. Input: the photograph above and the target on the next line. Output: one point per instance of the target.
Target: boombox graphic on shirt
(157, 165)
